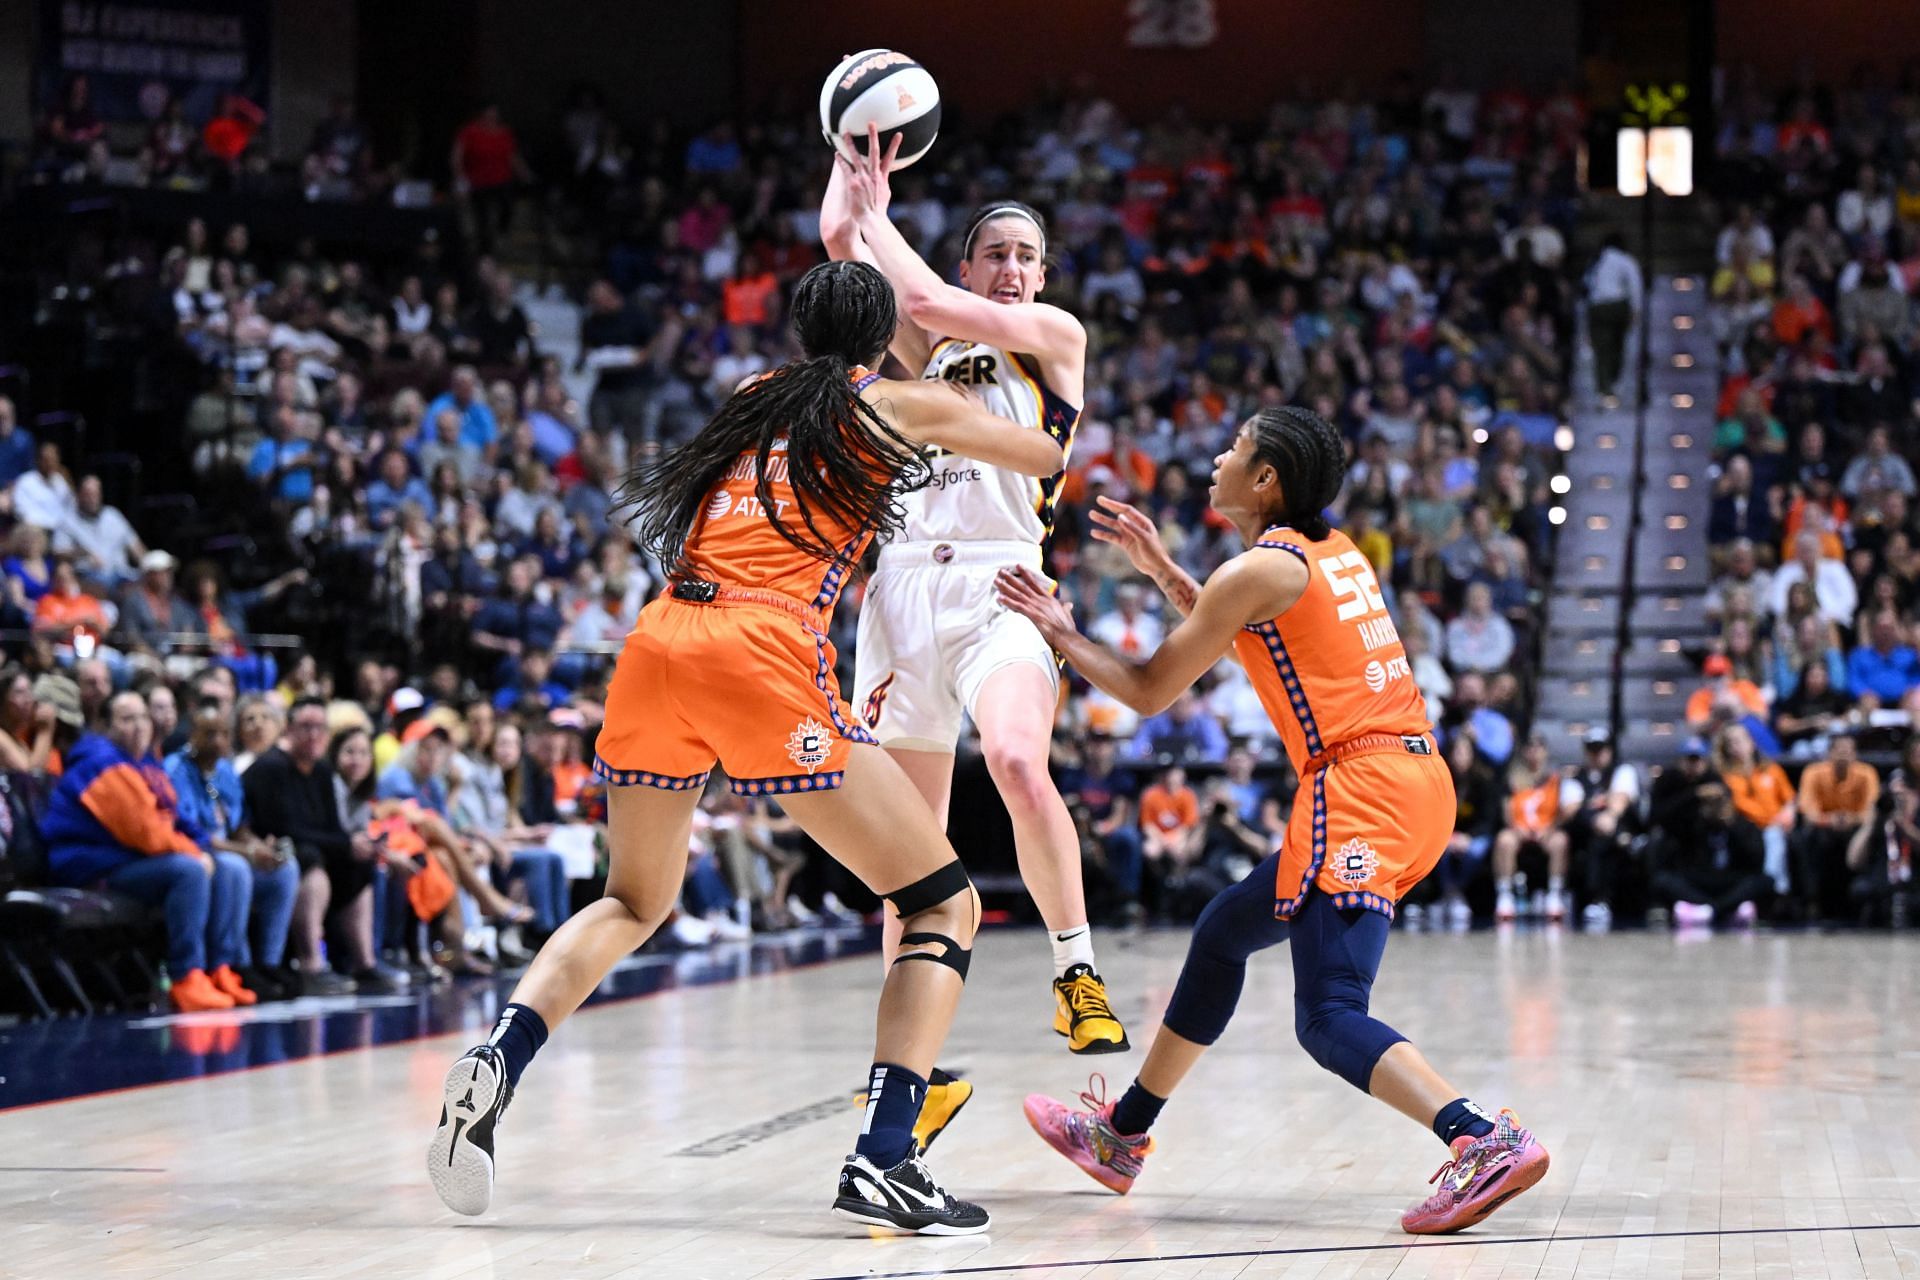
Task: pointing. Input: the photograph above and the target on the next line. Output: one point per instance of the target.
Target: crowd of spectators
(1401, 266)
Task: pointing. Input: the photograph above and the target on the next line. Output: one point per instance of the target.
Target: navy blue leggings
(1336, 954)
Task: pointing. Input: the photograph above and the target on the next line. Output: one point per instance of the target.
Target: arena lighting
(1680, 439)
(1682, 361)
(1561, 484)
(1681, 400)
(1563, 438)
(1598, 523)
(1479, 435)
(1683, 284)
(1683, 323)
(1661, 157)
(1676, 523)
(1557, 515)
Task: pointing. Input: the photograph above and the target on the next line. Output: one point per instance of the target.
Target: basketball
(884, 88)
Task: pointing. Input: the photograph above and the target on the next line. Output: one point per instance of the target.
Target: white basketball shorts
(931, 632)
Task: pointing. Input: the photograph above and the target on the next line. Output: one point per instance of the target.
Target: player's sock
(1136, 1111)
(518, 1036)
(894, 1095)
(1461, 1117)
(1071, 947)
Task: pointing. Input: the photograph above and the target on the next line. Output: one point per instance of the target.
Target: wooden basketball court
(1727, 1106)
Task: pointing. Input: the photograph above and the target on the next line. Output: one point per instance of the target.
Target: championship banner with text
(137, 56)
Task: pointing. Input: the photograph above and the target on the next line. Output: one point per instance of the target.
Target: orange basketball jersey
(1330, 669)
(1535, 809)
(734, 542)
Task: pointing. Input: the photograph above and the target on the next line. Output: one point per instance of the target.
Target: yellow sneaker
(945, 1096)
(1081, 1013)
(943, 1102)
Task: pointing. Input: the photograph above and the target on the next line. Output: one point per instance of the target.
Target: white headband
(1002, 211)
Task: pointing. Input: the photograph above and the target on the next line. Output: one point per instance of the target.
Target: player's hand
(868, 190)
(1131, 530)
(1026, 593)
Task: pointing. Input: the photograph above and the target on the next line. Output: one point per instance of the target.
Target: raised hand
(1130, 529)
(868, 190)
(1027, 594)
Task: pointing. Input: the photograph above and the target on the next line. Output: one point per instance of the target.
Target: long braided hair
(845, 464)
(1310, 456)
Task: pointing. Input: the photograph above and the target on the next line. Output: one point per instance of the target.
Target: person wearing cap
(54, 724)
(1600, 833)
(1672, 802)
(115, 820)
(404, 706)
(150, 613)
(1720, 688)
(1711, 873)
(1837, 797)
(99, 536)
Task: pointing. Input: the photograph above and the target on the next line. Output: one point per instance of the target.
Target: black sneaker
(460, 1157)
(905, 1198)
(325, 982)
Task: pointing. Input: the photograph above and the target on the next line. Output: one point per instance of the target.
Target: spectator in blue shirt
(283, 462)
(396, 486)
(477, 424)
(210, 797)
(515, 620)
(1885, 667)
(1469, 712)
(1184, 733)
(416, 776)
(534, 686)
(16, 446)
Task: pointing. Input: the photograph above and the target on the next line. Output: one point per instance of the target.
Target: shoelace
(1087, 998)
(1095, 1102)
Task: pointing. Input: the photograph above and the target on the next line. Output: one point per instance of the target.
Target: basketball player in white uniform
(934, 641)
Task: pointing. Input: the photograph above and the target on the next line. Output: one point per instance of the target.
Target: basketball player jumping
(761, 517)
(1303, 612)
(933, 641)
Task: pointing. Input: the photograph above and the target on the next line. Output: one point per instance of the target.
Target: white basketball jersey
(972, 501)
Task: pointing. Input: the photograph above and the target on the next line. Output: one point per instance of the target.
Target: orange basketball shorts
(747, 685)
(1365, 829)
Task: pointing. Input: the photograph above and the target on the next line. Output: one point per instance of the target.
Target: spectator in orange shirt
(1720, 686)
(1169, 823)
(1761, 793)
(67, 610)
(748, 297)
(1799, 312)
(1837, 798)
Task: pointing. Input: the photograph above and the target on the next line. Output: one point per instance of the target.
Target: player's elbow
(1148, 697)
(1041, 456)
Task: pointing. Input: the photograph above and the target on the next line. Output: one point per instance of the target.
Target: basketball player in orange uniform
(1303, 612)
(760, 519)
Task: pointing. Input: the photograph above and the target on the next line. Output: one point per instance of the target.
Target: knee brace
(930, 891)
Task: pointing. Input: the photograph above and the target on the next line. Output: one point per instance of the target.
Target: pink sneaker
(1747, 915)
(1692, 913)
(1087, 1137)
(1484, 1174)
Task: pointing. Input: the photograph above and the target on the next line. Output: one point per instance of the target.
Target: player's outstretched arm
(1131, 530)
(840, 235)
(943, 415)
(1242, 591)
(1033, 328)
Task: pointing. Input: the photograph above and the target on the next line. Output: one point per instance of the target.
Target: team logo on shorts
(876, 702)
(1357, 862)
(808, 744)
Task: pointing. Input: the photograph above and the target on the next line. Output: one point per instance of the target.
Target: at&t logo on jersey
(1356, 863)
(1380, 675)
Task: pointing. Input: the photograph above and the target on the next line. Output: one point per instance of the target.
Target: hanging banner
(136, 57)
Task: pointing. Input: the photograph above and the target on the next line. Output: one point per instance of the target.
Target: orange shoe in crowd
(228, 983)
(194, 992)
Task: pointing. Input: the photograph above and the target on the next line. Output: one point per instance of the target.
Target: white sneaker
(1504, 909)
(1556, 905)
(691, 931)
(802, 913)
(1598, 917)
(726, 928)
(835, 910)
(1459, 915)
(1414, 914)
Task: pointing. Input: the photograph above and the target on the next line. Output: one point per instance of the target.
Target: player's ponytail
(1310, 457)
(845, 464)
